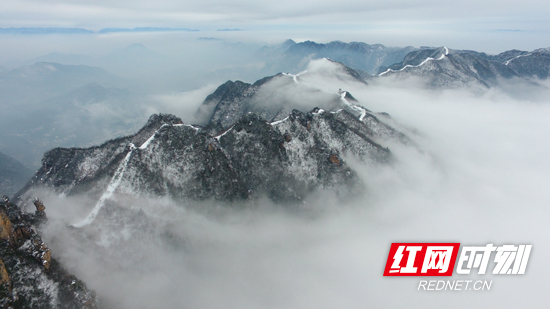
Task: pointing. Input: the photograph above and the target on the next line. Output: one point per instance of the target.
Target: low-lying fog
(82, 90)
(478, 176)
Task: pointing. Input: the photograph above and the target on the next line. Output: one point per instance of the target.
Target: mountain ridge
(455, 68)
(285, 156)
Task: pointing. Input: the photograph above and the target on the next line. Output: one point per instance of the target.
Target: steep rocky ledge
(29, 276)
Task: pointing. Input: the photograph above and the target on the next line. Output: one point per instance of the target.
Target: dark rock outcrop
(286, 160)
(29, 276)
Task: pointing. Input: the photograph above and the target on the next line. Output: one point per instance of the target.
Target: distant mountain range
(356, 55)
(456, 68)
(50, 104)
(38, 30)
(85, 116)
(443, 67)
(44, 87)
(34, 82)
(130, 60)
(59, 30)
(144, 29)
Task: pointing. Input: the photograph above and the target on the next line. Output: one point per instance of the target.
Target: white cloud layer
(479, 176)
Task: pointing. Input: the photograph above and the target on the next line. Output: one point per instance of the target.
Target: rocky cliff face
(29, 276)
(285, 159)
(245, 150)
(228, 102)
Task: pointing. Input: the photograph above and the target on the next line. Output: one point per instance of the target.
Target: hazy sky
(482, 24)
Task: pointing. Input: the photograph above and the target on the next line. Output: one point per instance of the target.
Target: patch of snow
(516, 57)
(359, 109)
(115, 181)
(295, 76)
(278, 121)
(150, 139)
(224, 133)
(186, 125)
